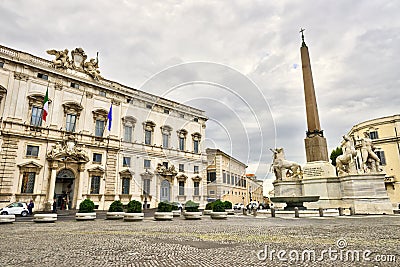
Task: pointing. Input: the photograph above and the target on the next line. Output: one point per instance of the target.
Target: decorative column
(81, 169)
(52, 185)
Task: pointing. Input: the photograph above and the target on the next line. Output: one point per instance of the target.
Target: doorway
(165, 191)
(64, 189)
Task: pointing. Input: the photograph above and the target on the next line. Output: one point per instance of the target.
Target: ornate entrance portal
(64, 189)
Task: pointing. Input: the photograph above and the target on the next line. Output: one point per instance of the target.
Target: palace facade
(101, 140)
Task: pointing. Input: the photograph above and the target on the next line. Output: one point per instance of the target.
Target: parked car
(238, 206)
(16, 208)
(253, 205)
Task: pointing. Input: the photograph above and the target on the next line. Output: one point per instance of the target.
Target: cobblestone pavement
(238, 241)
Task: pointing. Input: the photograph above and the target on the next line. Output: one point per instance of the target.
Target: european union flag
(109, 117)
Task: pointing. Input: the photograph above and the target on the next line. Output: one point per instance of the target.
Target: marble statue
(280, 165)
(345, 163)
(91, 68)
(370, 161)
(62, 59)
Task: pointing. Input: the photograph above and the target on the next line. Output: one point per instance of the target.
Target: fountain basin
(293, 202)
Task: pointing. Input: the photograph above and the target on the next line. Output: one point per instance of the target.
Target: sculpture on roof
(62, 59)
(91, 68)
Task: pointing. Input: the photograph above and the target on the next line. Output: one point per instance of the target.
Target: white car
(16, 208)
(238, 206)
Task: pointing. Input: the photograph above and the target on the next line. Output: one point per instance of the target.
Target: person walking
(31, 205)
(54, 206)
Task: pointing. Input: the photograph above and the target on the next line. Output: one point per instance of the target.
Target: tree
(335, 153)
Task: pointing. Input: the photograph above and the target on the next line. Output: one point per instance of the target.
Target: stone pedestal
(288, 188)
(318, 169)
(316, 149)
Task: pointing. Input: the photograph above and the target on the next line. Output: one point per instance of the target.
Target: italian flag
(45, 105)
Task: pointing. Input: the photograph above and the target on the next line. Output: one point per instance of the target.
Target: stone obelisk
(315, 142)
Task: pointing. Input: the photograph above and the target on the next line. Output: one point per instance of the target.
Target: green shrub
(164, 207)
(218, 206)
(134, 206)
(209, 206)
(174, 206)
(116, 206)
(227, 205)
(191, 206)
(86, 206)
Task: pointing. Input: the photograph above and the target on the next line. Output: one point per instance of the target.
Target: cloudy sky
(237, 60)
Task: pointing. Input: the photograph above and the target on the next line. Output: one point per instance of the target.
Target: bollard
(352, 211)
(341, 213)
(296, 212)
(255, 212)
(273, 212)
(321, 212)
(244, 211)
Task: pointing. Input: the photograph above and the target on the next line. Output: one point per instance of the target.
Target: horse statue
(344, 163)
(280, 164)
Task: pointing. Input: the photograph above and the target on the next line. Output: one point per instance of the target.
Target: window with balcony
(128, 123)
(126, 182)
(181, 188)
(36, 116)
(95, 185)
(70, 123)
(146, 187)
(148, 132)
(196, 186)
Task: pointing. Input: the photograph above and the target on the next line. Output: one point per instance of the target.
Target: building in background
(384, 133)
(226, 177)
(255, 188)
(100, 140)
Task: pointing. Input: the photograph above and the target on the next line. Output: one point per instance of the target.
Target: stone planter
(219, 215)
(207, 212)
(176, 213)
(163, 216)
(230, 211)
(192, 215)
(85, 216)
(133, 217)
(7, 218)
(45, 218)
(116, 215)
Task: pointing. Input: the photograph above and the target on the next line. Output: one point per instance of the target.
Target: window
(97, 157)
(129, 100)
(196, 119)
(102, 93)
(165, 164)
(224, 177)
(146, 187)
(381, 156)
(28, 182)
(149, 106)
(147, 163)
(373, 135)
(181, 143)
(70, 123)
(36, 116)
(196, 146)
(166, 111)
(43, 76)
(165, 140)
(196, 189)
(228, 180)
(211, 177)
(99, 128)
(212, 192)
(95, 185)
(1, 64)
(181, 167)
(181, 188)
(32, 151)
(75, 85)
(126, 182)
(182, 115)
(147, 137)
(127, 133)
(196, 169)
(126, 162)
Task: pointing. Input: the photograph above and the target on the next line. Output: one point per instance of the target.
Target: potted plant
(134, 211)
(176, 209)
(164, 212)
(218, 210)
(86, 211)
(208, 209)
(228, 207)
(116, 211)
(192, 211)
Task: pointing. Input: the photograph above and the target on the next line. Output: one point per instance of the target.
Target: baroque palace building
(384, 134)
(101, 140)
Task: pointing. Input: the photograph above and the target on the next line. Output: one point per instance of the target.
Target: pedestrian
(54, 206)
(30, 207)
